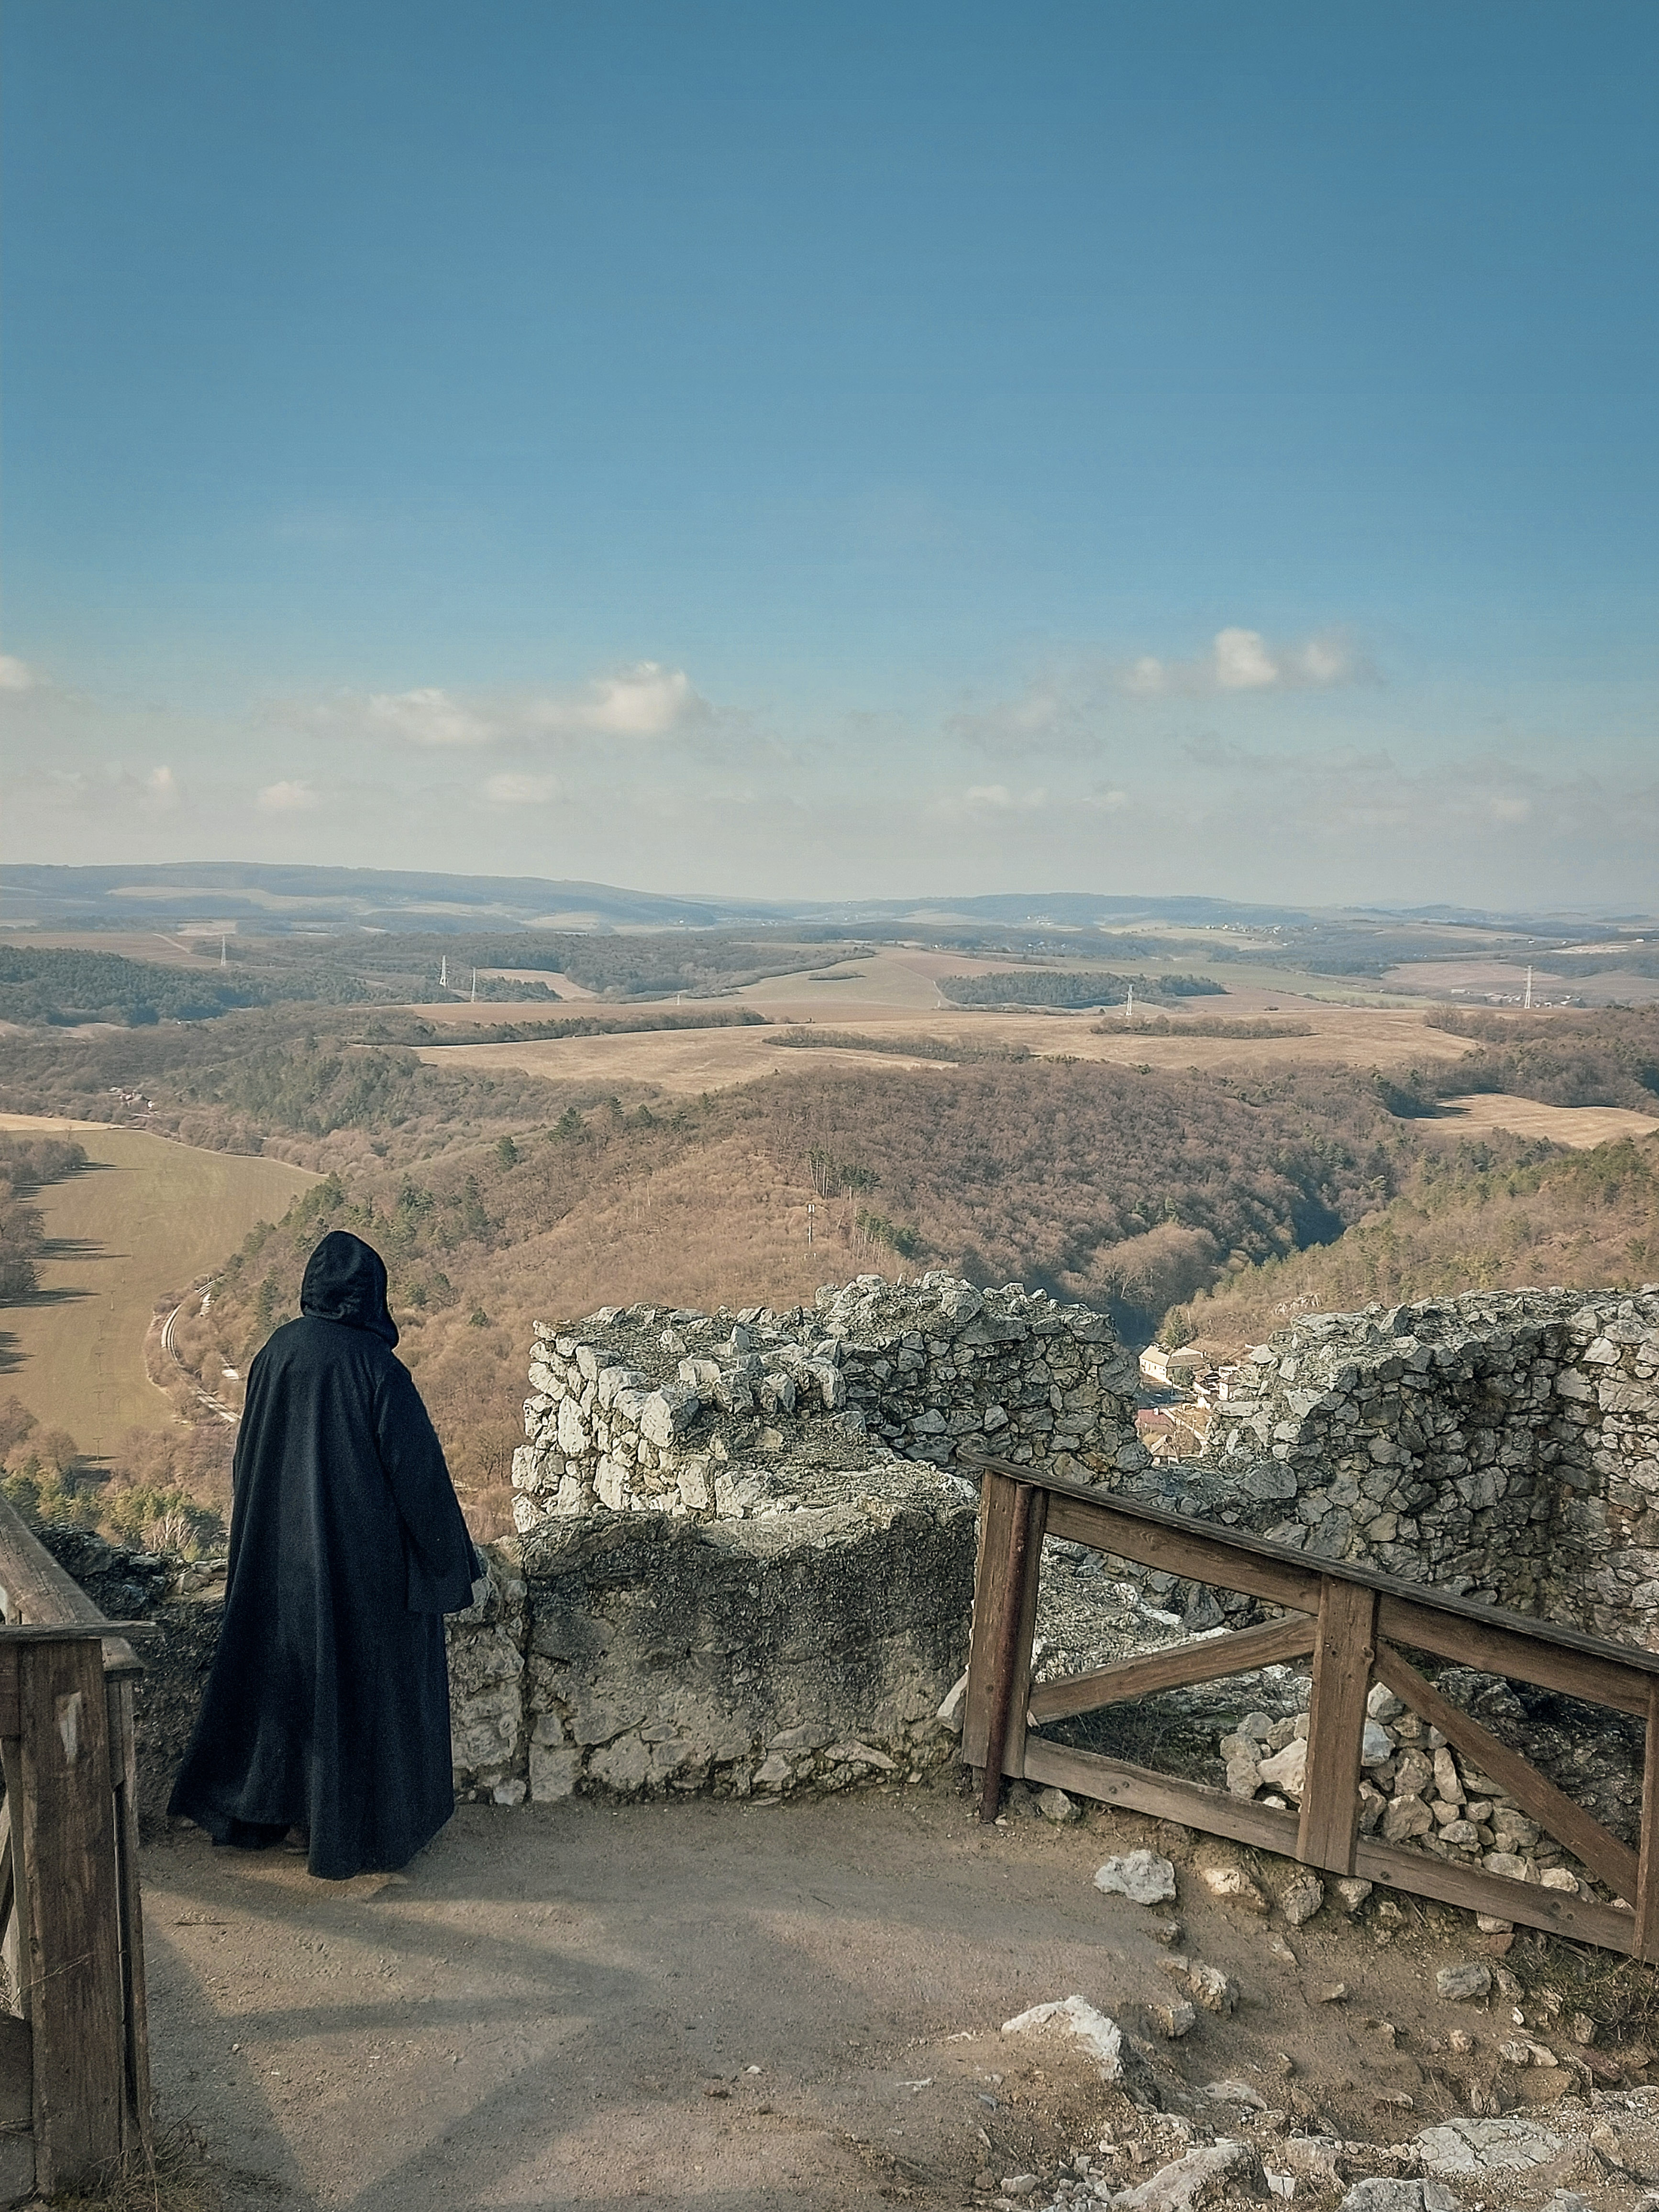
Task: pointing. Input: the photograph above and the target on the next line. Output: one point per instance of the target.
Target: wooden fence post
(1005, 1616)
(62, 1816)
(1646, 1900)
(1344, 1647)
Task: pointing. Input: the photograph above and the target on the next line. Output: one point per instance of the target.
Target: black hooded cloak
(327, 1708)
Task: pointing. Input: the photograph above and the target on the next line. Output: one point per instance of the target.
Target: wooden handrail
(71, 1920)
(1350, 1619)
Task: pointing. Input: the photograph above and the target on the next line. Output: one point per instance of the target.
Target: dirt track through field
(562, 2006)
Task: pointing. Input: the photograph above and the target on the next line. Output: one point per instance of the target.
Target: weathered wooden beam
(137, 2126)
(1336, 1725)
(1580, 1919)
(1504, 1646)
(1646, 1896)
(1186, 1548)
(1579, 1831)
(35, 1590)
(1086, 1774)
(1628, 1662)
(63, 1819)
(1016, 1578)
(991, 1600)
(1206, 1659)
(1114, 1782)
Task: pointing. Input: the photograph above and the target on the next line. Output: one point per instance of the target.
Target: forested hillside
(1490, 1215)
(1070, 987)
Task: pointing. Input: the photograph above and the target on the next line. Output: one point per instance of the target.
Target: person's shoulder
(313, 1342)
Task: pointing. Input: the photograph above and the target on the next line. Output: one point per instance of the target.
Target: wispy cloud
(292, 797)
(17, 676)
(162, 789)
(427, 717)
(1243, 661)
(511, 790)
(988, 802)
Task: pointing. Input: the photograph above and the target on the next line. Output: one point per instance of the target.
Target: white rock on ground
(1301, 1898)
(1497, 2146)
(1100, 2037)
(1141, 1876)
(1232, 1886)
(1192, 2180)
(1379, 2195)
(1055, 1805)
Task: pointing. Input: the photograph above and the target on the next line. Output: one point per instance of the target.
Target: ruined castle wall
(1502, 1446)
(708, 1416)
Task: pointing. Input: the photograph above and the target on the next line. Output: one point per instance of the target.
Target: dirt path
(562, 2006)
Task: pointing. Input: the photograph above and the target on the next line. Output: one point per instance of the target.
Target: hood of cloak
(345, 1281)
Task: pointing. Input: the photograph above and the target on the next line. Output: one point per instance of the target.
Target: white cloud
(510, 790)
(988, 802)
(16, 675)
(1104, 801)
(645, 700)
(291, 797)
(427, 717)
(161, 788)
(1243, 661)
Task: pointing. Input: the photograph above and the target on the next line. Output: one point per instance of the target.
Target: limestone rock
(1378, 2193)
(1141, 1876)
(1510, 2145)
(1172, 2017)
(1054, 1805)
(1301, 1898)
(1100, 2037)
(1200, 2178)
(1233, 1886)
(1461, 1985)
(1287, 1769)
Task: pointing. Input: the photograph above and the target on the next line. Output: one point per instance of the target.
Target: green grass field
(143, 1217)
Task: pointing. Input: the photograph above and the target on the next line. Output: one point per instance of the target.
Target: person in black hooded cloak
(327, 1707)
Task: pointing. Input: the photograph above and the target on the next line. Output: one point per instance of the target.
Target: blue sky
(854, 449)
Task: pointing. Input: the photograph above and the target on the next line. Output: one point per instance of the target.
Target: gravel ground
(748, 2008)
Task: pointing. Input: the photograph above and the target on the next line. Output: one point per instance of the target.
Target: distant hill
(284, 898)
(280, 898)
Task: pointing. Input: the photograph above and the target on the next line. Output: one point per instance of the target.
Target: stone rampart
(712, 1417)
(1502, 1446)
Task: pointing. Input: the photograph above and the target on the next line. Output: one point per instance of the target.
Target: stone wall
(704, 1416)
(1501, 1446)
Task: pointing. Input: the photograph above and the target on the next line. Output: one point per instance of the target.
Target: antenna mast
(1129, 1008)
(1527, 1001)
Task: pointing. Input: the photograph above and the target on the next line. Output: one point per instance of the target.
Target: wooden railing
(72, 1924)
(1356, 1626)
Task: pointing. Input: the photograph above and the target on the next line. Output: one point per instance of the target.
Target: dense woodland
(1077, 988)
